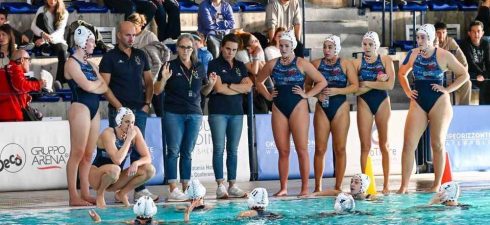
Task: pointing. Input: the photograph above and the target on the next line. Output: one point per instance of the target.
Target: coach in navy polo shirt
(127, 71)
(183, 81)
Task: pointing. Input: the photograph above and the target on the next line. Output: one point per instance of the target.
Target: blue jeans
(140, 121)
(181, 132)
(229, 126)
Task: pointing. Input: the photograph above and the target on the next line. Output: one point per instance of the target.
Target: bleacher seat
(377, 6)
(251, 6)
(415, 6)
(467, 6)
(404, 45)
(235, 7)
(65, 94)
(46, 98)
(19, 8)
(188, 7)
(89, 7)
(441, 5)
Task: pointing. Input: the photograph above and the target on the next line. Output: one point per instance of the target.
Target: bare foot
(434, 189)
(79, 202)
(122, 198)
(90, 199)
(281, 193)
(317, 190)
(386, 191)
(402, 190)
(303, 194)
(100, 202)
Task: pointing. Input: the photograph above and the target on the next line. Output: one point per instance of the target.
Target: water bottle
(325, 102)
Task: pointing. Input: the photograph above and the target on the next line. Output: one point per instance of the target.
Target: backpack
(157, 54)
(98, 37)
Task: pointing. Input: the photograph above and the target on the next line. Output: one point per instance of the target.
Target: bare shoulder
(316, 62)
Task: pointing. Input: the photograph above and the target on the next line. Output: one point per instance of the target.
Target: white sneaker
(221, 192)
(236, 192)
(145, 192)
(177, 196)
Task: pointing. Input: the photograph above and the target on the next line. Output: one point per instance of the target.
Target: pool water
(393, 209)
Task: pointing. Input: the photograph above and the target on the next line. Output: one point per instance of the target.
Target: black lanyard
(189, 79)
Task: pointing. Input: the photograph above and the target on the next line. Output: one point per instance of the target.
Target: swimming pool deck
(48, 199)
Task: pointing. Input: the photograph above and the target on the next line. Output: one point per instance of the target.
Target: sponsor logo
(49, 157)
(12, 158)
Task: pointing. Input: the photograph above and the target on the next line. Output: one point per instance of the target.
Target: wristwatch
(148, 104)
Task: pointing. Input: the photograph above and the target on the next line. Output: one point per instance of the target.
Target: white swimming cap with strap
(195, 189)
(371, 35)
(364, 182)
(258, 198)
(335, 40)
(81, 36)
(123, 111)
(145, 207)
(344, 203)
(450, 191)
(429, 30)
(289, 36)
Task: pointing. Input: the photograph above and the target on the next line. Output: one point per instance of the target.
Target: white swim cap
(344, 203)
(195, 190)
(450, 191)
(289, 36)
(335, 40)
(429, 30)
(81, 36)
(258, 198)
(145, 207)
(371, 35)
(364, 182)
(123, 111)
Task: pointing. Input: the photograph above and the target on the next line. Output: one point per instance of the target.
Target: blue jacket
(206, 18)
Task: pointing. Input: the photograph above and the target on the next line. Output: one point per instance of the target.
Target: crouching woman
(113, 149)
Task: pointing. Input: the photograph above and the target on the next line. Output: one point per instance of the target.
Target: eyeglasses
(185, 47)
(28, 59)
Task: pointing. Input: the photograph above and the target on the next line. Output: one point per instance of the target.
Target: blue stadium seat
(415, 6)
(65, 94)
(46, 98)
(89, 7)
(235, 7)
(377, 6)
(251, 6)
(441, 5)
(188, 7)
(404, 45)
(463, 6)
(19, 8)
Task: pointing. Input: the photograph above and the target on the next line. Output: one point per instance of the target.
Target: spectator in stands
(87, 86)
(114, 145)
(143, 36)
(332, 111)
(463, 94)
(126, 68)
(226, 113)
(272, 51)
(48, 27)
(215, 20)
(146, 7)
(484, 17)
(182, 79)
(20, 38)
(204, 57)
(14, 86)
(290, 109)
(7, 42)
(287, 14)
(167, 17)
(476, 50)
(250, 53)
(429, 101)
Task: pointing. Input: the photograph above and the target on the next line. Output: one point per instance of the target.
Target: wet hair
(230, 38)
(6, 28)
(273, 41)
(440, 26)
(194, 51)
(475, 23)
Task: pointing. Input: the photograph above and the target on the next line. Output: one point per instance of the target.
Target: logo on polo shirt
(179, 74)
(138, 60)
(120, 61)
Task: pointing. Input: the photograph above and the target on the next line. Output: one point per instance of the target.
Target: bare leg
(280, 130)
(440, 117)
(382, 117)
(322, 131)
(364, 126)
(299, 123)
(414, 127)
(101, 178)
(340, 128)
(126, 184)
(79, 119)
(86, 162)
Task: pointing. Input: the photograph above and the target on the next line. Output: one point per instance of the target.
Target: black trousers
(167, 17)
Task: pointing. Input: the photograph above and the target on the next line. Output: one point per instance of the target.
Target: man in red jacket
(13, 99)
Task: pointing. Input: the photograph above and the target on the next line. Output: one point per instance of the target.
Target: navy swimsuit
(369, 72)
(102, 158)
(285, 78)
(79, 95)
(336, 78)
(426, 72)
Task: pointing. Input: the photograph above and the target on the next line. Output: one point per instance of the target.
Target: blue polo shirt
(127, 77)
(180, 97)
(227, 104)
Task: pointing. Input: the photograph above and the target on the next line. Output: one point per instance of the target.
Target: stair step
(335, 26)
(317, 12)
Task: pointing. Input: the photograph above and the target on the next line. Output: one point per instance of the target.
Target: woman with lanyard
(376, 77)
(290, 109)
(183, 80)
(332, 110)
(429, 101)
(226, 113)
